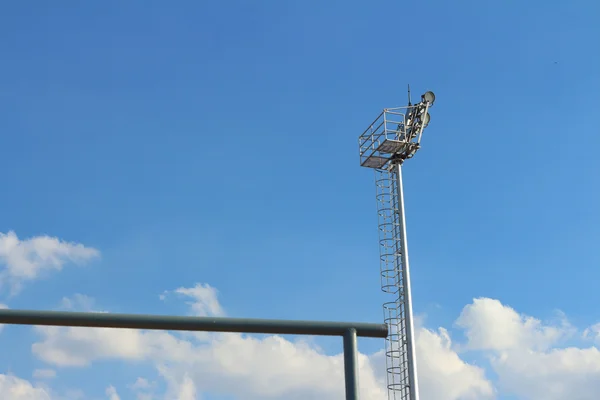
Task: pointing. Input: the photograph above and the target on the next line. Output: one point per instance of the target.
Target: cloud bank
(502, 353)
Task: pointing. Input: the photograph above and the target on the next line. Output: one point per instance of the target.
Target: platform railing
(349, 331)
(389, 124)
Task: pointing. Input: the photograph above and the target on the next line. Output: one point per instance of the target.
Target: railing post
(351, 364)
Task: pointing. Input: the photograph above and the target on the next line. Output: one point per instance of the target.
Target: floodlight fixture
(426, 120)
(428, 97)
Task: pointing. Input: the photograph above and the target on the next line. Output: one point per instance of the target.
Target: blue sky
(205, 142)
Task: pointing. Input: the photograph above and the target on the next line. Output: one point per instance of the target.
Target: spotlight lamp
(426, 119)
(428, 97)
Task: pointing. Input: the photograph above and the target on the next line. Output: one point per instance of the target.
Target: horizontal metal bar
(176, 323)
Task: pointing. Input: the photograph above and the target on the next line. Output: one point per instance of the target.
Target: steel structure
(392, 138)
(348, 330)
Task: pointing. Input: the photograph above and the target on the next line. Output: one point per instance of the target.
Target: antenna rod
(409, 103)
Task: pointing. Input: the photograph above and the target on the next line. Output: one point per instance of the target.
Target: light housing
(428, 97)
(426, 120)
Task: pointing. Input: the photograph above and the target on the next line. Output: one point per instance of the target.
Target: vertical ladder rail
(395, 310)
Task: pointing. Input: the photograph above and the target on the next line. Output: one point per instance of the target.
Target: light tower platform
(393, 135)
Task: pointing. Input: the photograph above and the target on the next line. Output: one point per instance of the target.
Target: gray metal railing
(349, 331)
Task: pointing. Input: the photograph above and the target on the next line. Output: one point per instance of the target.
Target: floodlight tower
(392, 138)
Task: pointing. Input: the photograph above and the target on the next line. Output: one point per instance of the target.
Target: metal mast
(393, 137)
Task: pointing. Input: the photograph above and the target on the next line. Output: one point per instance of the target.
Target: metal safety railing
(349, 331)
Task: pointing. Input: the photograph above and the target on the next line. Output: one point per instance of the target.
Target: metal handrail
(348, 330)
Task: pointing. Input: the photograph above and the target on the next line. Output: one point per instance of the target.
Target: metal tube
(423, 126)
(410, 331)
(351, 364)
(176, 323)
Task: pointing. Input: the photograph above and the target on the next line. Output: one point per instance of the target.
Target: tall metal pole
(410, 331)
(394, 137)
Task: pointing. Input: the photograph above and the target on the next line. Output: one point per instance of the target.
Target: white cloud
(142, 384)
(490, 325)
(112, 394)
(525, 353)
(266, 367)
(180, 387)
(203, 300)
(44, 373)
(14, 388)
(78, 302)
(79, 346)
(25, 260)
(443, 374)
(593, 332)
(568, 373)
(143, 389)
